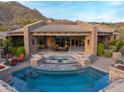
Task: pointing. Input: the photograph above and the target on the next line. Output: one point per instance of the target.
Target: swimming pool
(87, 79)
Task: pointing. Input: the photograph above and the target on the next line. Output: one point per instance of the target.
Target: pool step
(35, 74)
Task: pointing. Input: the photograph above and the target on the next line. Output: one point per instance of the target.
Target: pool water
(88, 79)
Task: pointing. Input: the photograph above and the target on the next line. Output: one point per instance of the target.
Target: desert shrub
(3, 28)
(100, 49)
(16, 50)
(108, 53)
(119, 44)
(12, 50)
(20, 50)
(113, 48)
(26, 22)
(113, 42)
(119, 62)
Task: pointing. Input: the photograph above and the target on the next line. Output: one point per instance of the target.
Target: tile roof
(104, 28)
(63, 28)
(4, 34)
(78, 27)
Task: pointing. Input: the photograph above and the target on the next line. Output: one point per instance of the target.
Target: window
(32, 41)
(88, 42)
(108, 38)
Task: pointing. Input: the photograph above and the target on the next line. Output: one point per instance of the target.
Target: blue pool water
(88, 79)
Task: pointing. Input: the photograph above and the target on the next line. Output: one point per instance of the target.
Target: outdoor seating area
(13, 60)
(57, 48)
(119, 63)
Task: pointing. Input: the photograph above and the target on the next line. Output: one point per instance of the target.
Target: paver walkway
(103, 63)
(5, 75)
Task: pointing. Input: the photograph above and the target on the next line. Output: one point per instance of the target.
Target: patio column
(34, 44)
(70, 42)
(27, 41)
(91, 43)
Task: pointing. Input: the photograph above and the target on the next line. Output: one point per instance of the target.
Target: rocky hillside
(14, 15)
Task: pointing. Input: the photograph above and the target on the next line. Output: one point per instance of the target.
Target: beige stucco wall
(50, 42)
(115, 74)
(91, 48)
(34, 46)
(27, 41)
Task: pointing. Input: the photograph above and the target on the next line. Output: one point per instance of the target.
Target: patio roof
(62, 28)
(104, 28)
(4, 34)
(79, 27)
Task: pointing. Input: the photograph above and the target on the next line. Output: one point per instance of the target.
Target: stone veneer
(113, 85)
(4, 87)
(115, 73)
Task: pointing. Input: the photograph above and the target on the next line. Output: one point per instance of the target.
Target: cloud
(105, 11)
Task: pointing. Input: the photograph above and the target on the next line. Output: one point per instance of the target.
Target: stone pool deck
(4, 87)
(115, 86)
(103, 63)
(6, 74)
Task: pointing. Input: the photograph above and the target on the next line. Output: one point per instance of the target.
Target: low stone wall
(116, 55)
(115, 86)
(4, 87)
(115, 73)
(5, 75)
(34, 62)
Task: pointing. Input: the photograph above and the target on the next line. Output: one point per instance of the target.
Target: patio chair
(66, 47)
(21, 58)
(13, 62)
(9, 56)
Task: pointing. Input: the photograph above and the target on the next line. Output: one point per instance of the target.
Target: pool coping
(99, 69)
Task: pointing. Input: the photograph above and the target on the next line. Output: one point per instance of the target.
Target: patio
(103, 63)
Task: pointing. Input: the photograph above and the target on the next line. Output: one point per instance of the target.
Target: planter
(116, 55)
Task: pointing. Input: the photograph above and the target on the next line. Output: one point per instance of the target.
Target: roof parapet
(85, 25)
(35, 25)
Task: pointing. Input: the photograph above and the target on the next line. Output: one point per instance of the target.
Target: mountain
(14, 15)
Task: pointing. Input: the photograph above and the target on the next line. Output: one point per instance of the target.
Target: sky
(89, 11)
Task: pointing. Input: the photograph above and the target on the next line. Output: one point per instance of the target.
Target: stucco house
(77, 35)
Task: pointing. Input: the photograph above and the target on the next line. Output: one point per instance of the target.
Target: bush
(16, 51)
(113, 48)
(3, 28)
(26, 22)
(119, 62)
(100, 49)
(113, 42)
(13, 50)
(20, 50)
(119, 44)
(108, 53)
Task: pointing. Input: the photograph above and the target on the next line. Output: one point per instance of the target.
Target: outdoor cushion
(1, 66)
